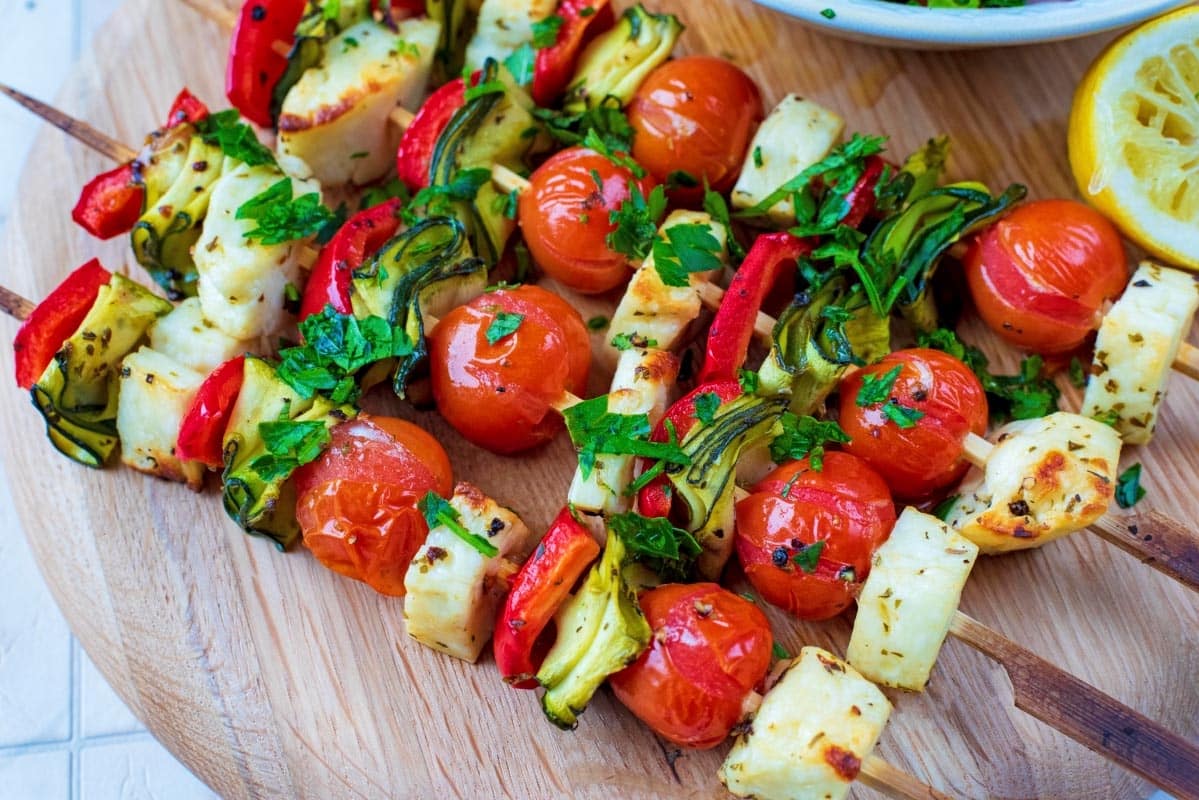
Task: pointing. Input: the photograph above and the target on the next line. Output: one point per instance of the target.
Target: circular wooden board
(272, 677)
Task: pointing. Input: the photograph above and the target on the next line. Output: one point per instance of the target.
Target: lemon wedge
(1134, 136)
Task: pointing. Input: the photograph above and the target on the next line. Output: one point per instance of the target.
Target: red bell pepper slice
(555, 65)
(186, 108)
(202, 429)
(733, 326)
(359, 238)
(861, 198)
(54, 320)
(415, 153)
(254, 67)
(110, 203)
(654, 499)
(538, 590)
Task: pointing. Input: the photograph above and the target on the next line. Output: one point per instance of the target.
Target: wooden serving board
(270, 676)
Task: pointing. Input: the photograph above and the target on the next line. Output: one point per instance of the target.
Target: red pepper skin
(356, 240)
(202, 429)
(54, 320)
(186, 108)
(654, 499)
(110, 203)
(733, 326)
(254, 67)
(541, 586)
(861, 199)
(415, 153)
(555, 65)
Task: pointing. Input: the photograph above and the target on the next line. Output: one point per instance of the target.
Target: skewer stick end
(884, 777)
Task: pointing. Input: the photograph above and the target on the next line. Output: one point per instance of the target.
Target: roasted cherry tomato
(709, 650)
(500, 363)
(564, 215)
(805, 538)
(917, 447)
(356, 504)
(695, 115)
(1041, 275)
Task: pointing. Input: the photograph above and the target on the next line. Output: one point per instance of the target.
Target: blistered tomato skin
(1041, 276)
(709, 650)
(916, 461)
(564, 216)
(500, 395)
(697, 115)
(356, 504)
(846, 506)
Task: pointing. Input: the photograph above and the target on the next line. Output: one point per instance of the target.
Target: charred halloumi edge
(1135, 350)
(335, 118)
(453, 590)
(811, 733)
(908, 601)
(1045, 478)
(503, 26)
(794, 136)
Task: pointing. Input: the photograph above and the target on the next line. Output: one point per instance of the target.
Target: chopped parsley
(607, 120)
(808, 556)
(682, 249)
(595, 430)
(681, 179)
(627, 341)
(620, 158)
(805, 437)
(289, 444)
(282, 218)
(828, 13)
(437, 200)
(382, 192)
(779, 652)
(1078, 376)
(877, 388)
(235, 138)
(667, 550)
(504, 324)
(521, 64)
(545, 31)
(903, 416)
(348, 44)
(1128, 487)
(597, 323)
(718, 210)
(438, 511)
(943, 508)
(406, 49)
(706, 405)
(757, 156)
(636, 222)
(840, 168)
(749, 380)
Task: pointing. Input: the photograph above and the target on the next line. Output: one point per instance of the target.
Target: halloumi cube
(652, 311)
(811, 734)
(503, 26)
(453, 589)
(155, 393)
(192, 341)
(336, 116)
(1046, 478)
(794, 136)
(1136, 347)
(243, 282)
(908, 601)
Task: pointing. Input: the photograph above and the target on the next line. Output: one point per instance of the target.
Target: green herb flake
(620, 158)
(654, 541)
(780, 652)
(235, 138)
(877, 388)
(718, 210)
(281, 218)
(901, 415)
(749, 380)
(681, 179)
(683, 249)
(808, 556)
(943, 508)
(594, 430)
(504, 324)
(757, 156)
(359, 154)
(1078, 375)
(597, 323)
(437, 200)
(627, 341)
(636, 223)
(586, 11)
(290, 444)
(706, 405)
(805, 437)
(521, 64)
(1129, 491)
(438, 511)
(348, 44)
(828, 13)
(406, 49)
(545, 31)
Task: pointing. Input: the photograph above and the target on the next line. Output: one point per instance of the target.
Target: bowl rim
(1040, 22)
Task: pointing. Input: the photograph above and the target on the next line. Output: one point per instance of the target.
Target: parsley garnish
(757, 155)
(805, 437)
(828, 13)
(436, 200)
(627, 341)
(383, 192)
(235, 138)
(521, 63)
(716, 208)
(636, 223)
(607, 120)
(545, 31)
(779, 652)
(808, 556)
(348, 44)
(683, 249)
(877, 388)
(706, 405)
(667, 550)
(504, 324)
(597, 323)
(902, 416)
(290, 444)
(945, 506)
(336, 347)
(1128, 487)
(595, 430)
(840, 168)
(404, 48)
(681, 179)
(749, 380)
(620, 158)
(438, 511)
(1078, 376)
(281, 218)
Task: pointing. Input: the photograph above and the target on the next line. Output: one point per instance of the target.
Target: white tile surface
(64, 734)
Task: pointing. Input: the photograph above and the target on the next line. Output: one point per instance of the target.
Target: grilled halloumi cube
(1136, 347)
(654, 312)
(453, 589)
(335, 117)
(503, 26)
(793, 137)
(243, 282)
(192, 341)
(908, 601)
(810, 735)
(155, 393)
(641, 385)
(1045, 478)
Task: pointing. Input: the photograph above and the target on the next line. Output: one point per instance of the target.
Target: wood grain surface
(270, 676)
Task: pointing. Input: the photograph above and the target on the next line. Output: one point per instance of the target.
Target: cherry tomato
(695, 114)
(709, 650)
(356, 504)
(917, 460)
(564, 215)
(496, 387)
(1041, 275)
(845, 505)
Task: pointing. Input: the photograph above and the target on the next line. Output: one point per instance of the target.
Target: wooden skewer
(100, 142)
(14, 305)
(885, 777)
